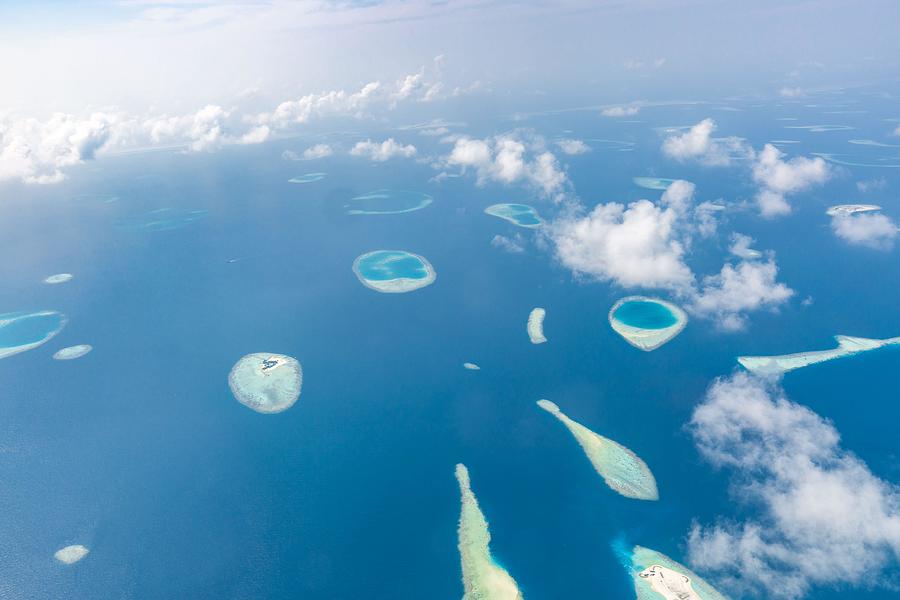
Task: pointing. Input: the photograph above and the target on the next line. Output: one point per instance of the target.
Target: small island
(535, 326)
(658, 576)
(72, 352)
(622, 470)
(517, 214)
(845, 210)
(646, 323)
(59, 278)
(387, 202)
(266, 382)
(21, 331)
(483, 578)
(847, 346)
(393, 271)
(471, 366)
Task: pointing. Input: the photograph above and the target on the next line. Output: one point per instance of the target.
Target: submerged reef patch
(266, 382)
(622, 470)
(387, 202)
(393, 271)
(72, 352)
(483, 578)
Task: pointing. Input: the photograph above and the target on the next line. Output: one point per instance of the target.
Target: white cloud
(389, 148)
(638, 245)
(871, 185)
(509, 158)
(791, 92)
(823, 517)
(897, 130)
(778, 178)
(866, 229)
(572, 147)
(729, 295)
(513, 245)
(621, 111)
(698, 144)
(318, 151)
(740, 246)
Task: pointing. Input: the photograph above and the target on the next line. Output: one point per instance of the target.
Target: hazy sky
(140, 55)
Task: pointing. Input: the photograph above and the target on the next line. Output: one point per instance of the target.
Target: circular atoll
(71, 554)
(59, 278)
(162, 219)
(267, 383)
(387, 202)
(72, 352)
(307, 178)
(646, 323)
(21, 331)
(393, 271)
(652, 183)
(517, 214)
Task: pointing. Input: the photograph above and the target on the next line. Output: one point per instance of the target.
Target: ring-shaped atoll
(21, 331)
(653, 183)
(522, 215)
(646, 323)
(393, 271)
(58, 278)
(387, 202)
(72, 352)
(266, 382)
(307, 178)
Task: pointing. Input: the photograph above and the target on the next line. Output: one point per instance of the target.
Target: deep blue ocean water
(139, 451)
(645, 315)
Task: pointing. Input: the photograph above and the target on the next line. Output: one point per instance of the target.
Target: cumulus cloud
(38, 151)
(735, 291)
(740, 246)
(823, 517)
(871, 185)
(389, 148)
(638, 245)
(311, 153)
(509, 158)
(778, 178)
(873, 230)
(645, 245)
(628, 110)
(698, 144)
(572, 147)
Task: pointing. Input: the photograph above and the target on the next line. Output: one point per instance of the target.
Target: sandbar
(72, 352)
(59, 278)
(266, 382)
(622, 470)
(847, 346)
(535, 325)
(71, 554)
(483, 578)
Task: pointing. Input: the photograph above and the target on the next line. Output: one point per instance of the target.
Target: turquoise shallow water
(26, 329)
(383, 265)
(645, 315)
(520, 214)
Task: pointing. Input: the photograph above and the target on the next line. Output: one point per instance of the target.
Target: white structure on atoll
(847, 346)
(267, 383)
(622, 470)
(536, 325)
(483, 578)
(71, 554)
(658, 577)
